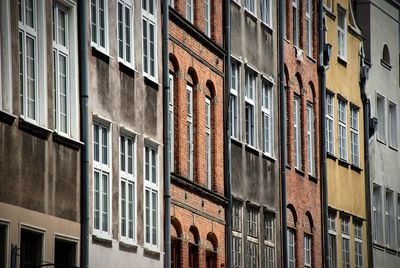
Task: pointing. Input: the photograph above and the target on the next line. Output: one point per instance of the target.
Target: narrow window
(380, 111)
(295, 23)
(208, 144)
(250, 6)
(237, 233)
(332, 251)
(31, 249)
(342, 42)
(171, 120)
(189, 10)
(342, 129)
(99, 24)
(297, 133)
(149, 38)
(377, 214)
(4, 254)
(64, 253)
(267, 122)
(207, 17)
(345, 242)
(252, 237)
(237, 252)
(125, 32)
(398, 221)
(330, 132)
(354, 141)
(389, 219)
(310, 139)
(309, 24)
(291, 238)
(190, 145)
(358, 244)
(266, 12)
(235, 84)
(252, 254)
(307, 250)
(392, 124)
(249, 107)
(269, 240)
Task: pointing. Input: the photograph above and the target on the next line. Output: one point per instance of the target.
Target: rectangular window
(31, 248)
(189, 10)
(342, 112)
(342, 42)
(250, 5)
(310, 140)
(252, 222)
(102, 182)
(99, 24)
(208, 144)
(171, 121)
(266, 12)
(392, 124)
(377, 214)
(237, 216)
(269, 255)
(295, 23)
(307, 250)
(380, 111)
(235, 84)
(190, 146)
(267, 116)
(398, 221)
(297, 133)
(237, 252)
(125, 32)
(389, 219)
(252, 254)
(309, 29)
(330, 132)
(250, 98)
(358, 244)
(332, 252)
(207, 17)
(354, 141)
(64, 253)
(269, 240)
(151, 185)
(149, 38)
(291, 238)
(345, 242)
(128, 188)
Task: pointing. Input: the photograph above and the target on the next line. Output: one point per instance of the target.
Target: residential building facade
(40, 132)
(253, 111)
(379, 21)
(347, 220)
(303, 181)
(196, 114)
(126, 133)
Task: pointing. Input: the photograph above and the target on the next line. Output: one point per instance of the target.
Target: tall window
(309, 29)
(235, 100)
(28, 62)
(250, 5)
(310, 139)
(237, 252)
(342, 42)
(307, 250)
(295, 23)
(392, 124)
(189, 10)
(380, 111)
(389, 218)
(330, 148)
(342, 129)
(377, 213)
(125, 32)
(358, 244)
(266, 110)
(252, 237)
(237, 234)
(128, 188)
(208, 143)
(99, 24)
(32, 247)
(250, 98)
(207, 17)
(269, 240)
(332, 252)
(149, 38)
(355, 151)
(345, 242)
(171, 120)
(398, 221)
(291, 238)
(151, 183)
(266, 12)
(61, 80)
(102, 183)
(190, 146)
(297, 132)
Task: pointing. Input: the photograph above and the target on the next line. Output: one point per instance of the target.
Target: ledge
(127, 247)
(127, 69)
(7, 117)
(331, 156)
(380, 141)
(101, 55)
(66, 141)
(236, 142)
(386, 65)
(391, 250)
(267, 27)
(356, 168)
(151, 253)
(379, 246)
(252, 16)
(329, 13)
(34, 129)
(151, 83)
(252, 150)
(269, 158)
(312, 178)
(105, 242)
(342, 61)
(344, 163)
(393, 148)
(300, 172)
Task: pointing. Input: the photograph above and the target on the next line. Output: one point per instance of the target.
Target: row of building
(201, 134)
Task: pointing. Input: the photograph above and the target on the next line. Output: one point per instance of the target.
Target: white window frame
(102, 168)
(252, 222)
(342, 33)
(389, 218)
(310, 139)
(358, 244)
(152, 187)
(94, 4)
(267, 117)
(252, 253)
(291, 238)
(237, 251)
(150, 19)
(250, 101)
(190, 10)
(126, 5)
(377, 213)
(342, 128)
(381, 116)
(207, 17)
(208, 142)
(297, 131)
(330, 129)
(266, 12)
(171, 118)
(296, 23)
(345, 224)
(269, 240)
(250, 6)
(189, 120)
(129, 178)
(398, 220)
(234, 102)
(6, 250)
(332, 258)
(5, 58)
(309, 27)
(307, 250)
(237, 212)
(354, 136)
(392, 124)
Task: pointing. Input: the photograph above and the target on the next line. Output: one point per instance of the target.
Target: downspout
(84, 102)
(227, 125)
(282, 104)
(167, 138)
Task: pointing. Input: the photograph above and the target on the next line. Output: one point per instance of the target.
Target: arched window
(173, 70)
(386, 55)
(193, 238)
(208, 131)
(176, 231)
(191, 83)
(211, 246)
(291, 235)
(308, 240)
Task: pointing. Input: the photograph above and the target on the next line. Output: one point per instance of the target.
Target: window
(249, 107)
(237, 236)
(297, 133)
(342, 129)
(329, 4)
(332, 252)
(128, 188)
(4, 251)
(189, 10)
(99, 24)
(237, 216)
(237, 252)
(252, 254)
(149, 38)
(342, 42)
(345, 242)
(266, 12)
(398, 221)
(175, 252)
(389, 219)
(193, 255)
(329, 124)
(355, 151)
(252, 237)
(267, 116)
(31, 248)
(172, 3)
(386, 55)
(189, 95)
(295, 23)
(250, 6)
(310, 139)
(269, 240)
(252, 222)
(291, 247)
(307, 250)
(358, 244)
(380, 111)
(125, 32)
(151, 197)
(64, 253)
(309, 25)
(5, 57)
(208, 144)
(207, 17)
(377, 214)
(235, 124)
(171, 120)
(392, 124)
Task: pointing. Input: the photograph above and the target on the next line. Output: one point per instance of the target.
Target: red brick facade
(197, 211)
(303, 190)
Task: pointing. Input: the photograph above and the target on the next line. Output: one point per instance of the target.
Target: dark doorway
(64, 254)
(31, 249)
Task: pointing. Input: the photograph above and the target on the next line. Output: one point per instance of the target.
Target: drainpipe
(84, 102)
(227, 143)
(167, 138)
(282, 104)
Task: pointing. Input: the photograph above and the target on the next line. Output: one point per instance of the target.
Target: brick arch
(210, 89)
(300, 83)
(192, 76)
(286, 76)
(173, 63)
(212, 240)
(193, 235)
(291, 216)
(176, 227)
(311, 88)
(308, 222)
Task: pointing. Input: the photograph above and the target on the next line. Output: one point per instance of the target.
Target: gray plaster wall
(255, 176)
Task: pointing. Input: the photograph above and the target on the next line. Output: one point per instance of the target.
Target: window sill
(101, 54)
(312, 178)
(34, 129)
(252, 149)
(329, 12)
(126, 68)
(379, 246)
(151, 252)
(342, 61)
(151, 82)
(236, 141)
(343, 163)
(267, 27)
(381, 141)
(251, 15)
(390, 250)
(67, 141)
(269, 157)
(393, 148)
(237, 4)
(311, 59)
(128, 247)
(102, 240)
(386, 65)
(331, 156)
(288, 166)
(7, 117)
(356, 168)
(300, 172)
